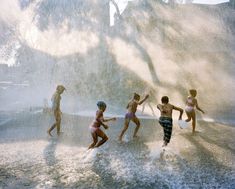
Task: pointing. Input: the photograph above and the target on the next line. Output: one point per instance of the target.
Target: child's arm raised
(128, 105)
(180, 110)
(143, 99)
(199, 107)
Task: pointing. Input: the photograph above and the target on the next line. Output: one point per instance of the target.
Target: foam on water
(29, 158)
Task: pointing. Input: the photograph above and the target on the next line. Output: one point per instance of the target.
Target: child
(191, 103)
(165, 119)
(56, 109)
(130, 115)
(95, 127)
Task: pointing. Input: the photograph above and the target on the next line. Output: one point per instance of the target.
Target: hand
(114, 119)
(106, 126)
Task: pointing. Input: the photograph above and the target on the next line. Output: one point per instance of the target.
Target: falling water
(151, 46)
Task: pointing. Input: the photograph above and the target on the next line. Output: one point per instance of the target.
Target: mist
(153, 46)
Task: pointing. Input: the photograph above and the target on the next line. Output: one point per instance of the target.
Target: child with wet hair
(191, 104)
(95, 126)
(130, 115)
(56, 109)
(165, 119)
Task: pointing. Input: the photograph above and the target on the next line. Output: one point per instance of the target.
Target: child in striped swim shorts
(165, 119)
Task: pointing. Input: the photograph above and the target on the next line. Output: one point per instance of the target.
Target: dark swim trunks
(130, 115)
(166, 123)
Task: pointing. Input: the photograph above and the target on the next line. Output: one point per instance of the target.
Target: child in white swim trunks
(191, 104)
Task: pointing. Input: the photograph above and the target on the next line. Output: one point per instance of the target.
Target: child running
(165, 119)
(95, 127)
(191, 103)
(130, 115)
(56, 109)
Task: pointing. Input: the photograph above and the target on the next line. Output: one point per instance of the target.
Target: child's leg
(193, 121)
(126, 124)
(104, 137)
(95, 140)
(167, 133)
(51, 128)
(137, 122)
(58, 127)
(58, 121)
(189, 116)
(165, 143)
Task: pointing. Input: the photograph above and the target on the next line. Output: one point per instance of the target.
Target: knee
(106, 138)
(125, 128)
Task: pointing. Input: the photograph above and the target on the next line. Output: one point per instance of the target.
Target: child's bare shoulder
(171, 106)
(99, 113)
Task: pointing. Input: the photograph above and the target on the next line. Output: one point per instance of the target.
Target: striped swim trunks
(166, 123)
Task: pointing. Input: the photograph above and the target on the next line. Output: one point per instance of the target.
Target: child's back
(166, 109)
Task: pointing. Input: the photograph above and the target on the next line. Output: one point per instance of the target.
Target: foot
(164, 144)
(120, 139)
(135, 136)
(90, 147)
(59, 133)
(49, 133)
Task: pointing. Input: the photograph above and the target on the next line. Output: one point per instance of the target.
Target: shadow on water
(207, 167)
(224, 140)
(53, 170)
(127, 155)
(119, 165)
(49, 152)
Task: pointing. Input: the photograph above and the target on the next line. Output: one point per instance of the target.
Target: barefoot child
(56, 109)
(165, 119)
(130, 115)
(95, 127)
(191, 103)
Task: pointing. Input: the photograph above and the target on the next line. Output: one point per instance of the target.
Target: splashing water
(30, 159)
(152, 46)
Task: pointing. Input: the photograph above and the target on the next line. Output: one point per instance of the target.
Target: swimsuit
(190, 106)
(94, 129)
(130, 115)
(95, 126)
(166, 123)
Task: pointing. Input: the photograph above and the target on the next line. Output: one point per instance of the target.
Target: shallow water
(31, 159)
